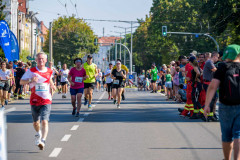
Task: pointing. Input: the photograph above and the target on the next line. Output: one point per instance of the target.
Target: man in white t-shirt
(40, 82)
(109, 80)
(99, 80)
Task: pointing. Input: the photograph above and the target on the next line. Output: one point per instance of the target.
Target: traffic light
(96, 41)
(164, 30)
(36, 31)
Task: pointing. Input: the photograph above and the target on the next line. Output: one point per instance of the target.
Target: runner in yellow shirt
(126, 69)
(91, 74)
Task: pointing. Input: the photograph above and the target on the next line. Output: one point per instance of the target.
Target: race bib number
(41, 87)
(2, 84)
(116, 82)
(65, 75)
(78, 79)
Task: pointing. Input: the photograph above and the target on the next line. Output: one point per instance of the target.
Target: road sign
(130, 81)
(130, 76)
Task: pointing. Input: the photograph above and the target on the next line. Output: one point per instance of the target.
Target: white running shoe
(41, 145)
(118, 106)
(37, 139)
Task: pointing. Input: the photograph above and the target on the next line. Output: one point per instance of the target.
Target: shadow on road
(136, 115)
(185, 148)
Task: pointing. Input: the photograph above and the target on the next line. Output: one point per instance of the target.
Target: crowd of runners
(18, 79)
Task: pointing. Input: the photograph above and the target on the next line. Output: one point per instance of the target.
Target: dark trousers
(18, 87)
(205, 86)
(196, 90)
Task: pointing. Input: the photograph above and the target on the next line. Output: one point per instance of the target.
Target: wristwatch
(30, 80)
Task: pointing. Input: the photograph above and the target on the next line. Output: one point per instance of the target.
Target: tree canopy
(219, 18)
(72, 38)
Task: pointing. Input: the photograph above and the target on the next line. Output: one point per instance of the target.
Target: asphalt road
(146, 127)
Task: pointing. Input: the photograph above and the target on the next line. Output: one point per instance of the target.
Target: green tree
(72, 38)
(2, 14)
(224, 21)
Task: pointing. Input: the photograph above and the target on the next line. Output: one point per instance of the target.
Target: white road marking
(10, 110)
(74, 128)
(86, 114)
(94, 105)
(55, 152)
(66, 137)
(80, 119)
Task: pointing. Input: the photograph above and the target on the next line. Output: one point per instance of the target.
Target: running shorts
(109, 87)
(4, 85)
(76, 91)
(89, 85)
(41, 112)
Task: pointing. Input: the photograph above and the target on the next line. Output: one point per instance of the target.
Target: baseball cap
(89, 56)
(231, 52)
(191, 59)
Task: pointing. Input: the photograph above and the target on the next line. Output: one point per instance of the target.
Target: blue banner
(5, 39)
(14, 47)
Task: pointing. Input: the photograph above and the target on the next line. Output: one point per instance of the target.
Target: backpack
(232, 83)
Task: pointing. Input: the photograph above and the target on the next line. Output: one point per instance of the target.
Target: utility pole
(103, 31)
(31, 38)
(35, 51)
(33, 14)
(120, 46)
(125, 45)
(50, 42)
(109, 55)
(131, 49)
(116, 50)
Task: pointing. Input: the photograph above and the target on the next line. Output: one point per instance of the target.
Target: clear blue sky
(130, 10)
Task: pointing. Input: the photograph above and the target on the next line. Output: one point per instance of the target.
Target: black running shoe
(213, 119)
(205, 119)
(180, 110)
(77, 115)
(123, 97)
(194, 116)
(74, 111)
(114, 102)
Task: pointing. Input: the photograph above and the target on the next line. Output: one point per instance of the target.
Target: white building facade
(11, 12)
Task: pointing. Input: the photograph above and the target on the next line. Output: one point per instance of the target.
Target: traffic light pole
(200, 34)
(50, 42)
(130, 54)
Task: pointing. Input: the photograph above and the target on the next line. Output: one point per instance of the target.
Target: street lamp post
(33, 14)
(50, 42)
(130, 56)
(131, 50)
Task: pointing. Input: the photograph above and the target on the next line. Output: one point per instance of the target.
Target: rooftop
(107, 40)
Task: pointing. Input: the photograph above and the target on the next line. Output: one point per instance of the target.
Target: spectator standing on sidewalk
(227, 78)
(19, 88)
(5, 76)
(208, 70)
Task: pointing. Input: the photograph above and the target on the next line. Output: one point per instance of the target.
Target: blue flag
(14, 47)
(5, 39)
